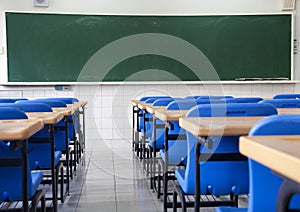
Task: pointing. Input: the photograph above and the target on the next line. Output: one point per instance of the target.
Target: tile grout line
(115, 182)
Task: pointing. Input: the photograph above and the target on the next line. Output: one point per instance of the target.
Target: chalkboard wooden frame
(33, 56)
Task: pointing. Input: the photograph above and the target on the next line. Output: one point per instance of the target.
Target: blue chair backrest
(19, 99)
(215, 97)
(244, 100)
(154, 102)
(144, 98)
(66, 100)
(232, 109)
(51, 103)
(264, 184)
(11, 113)
(7, 100)
(283, 103)
(210, 180)
(34, 107)
(287, 96)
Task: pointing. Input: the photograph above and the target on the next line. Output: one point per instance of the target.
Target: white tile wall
(108, 113)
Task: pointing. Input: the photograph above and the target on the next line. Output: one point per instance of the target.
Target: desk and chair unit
(36, 139)
(203, 128)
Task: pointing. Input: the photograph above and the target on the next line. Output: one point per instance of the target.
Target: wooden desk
(170, 115)
(67, 111)
(282, 155)
(19, 130)
(151, 109)
(134, 102)
(219, 126)
(46, 117)
(142, 105)
(288, 111)
(214, 126)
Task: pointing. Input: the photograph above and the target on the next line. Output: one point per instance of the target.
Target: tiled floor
(110, 179)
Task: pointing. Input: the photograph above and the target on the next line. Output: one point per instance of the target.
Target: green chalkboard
(92, 48)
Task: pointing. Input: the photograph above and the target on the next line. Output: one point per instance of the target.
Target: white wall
(108, 113)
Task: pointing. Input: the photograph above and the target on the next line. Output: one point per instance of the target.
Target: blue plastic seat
(283, 103)
(11, 176)
(264, 183)
(211, 183)
(287, 96)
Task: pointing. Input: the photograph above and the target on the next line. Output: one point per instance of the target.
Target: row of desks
(20, 130)
(264, 149)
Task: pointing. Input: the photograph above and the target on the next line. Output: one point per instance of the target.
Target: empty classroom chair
(234, 174)
(11, 175)
(264, 183)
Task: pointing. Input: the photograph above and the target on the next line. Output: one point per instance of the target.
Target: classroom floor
(111, 179)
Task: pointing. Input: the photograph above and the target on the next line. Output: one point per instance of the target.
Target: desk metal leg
(197, 177)
(25, 176)
(53, 172)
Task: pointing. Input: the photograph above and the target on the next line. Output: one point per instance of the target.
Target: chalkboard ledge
(152, 83)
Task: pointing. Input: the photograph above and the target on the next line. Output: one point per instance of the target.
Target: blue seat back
(144, 98)
(236, 183)
(283, 103)
(7, 100)
(34, 107)
(66, 100)
(50, 102)
(287, 96)
(155, 102)
(149, 125)
(244, 100)
(215, 97)
(264, 184)
(11, 113)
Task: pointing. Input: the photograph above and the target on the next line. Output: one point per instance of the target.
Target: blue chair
(62, 141)
(11, 175)
(173, 150)
(40, 147)
(264, 184)
(137, 117)
(73, 125)
(210, 181)
(287, 96)
(283, 103)
(146, 124)
(244, 100)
